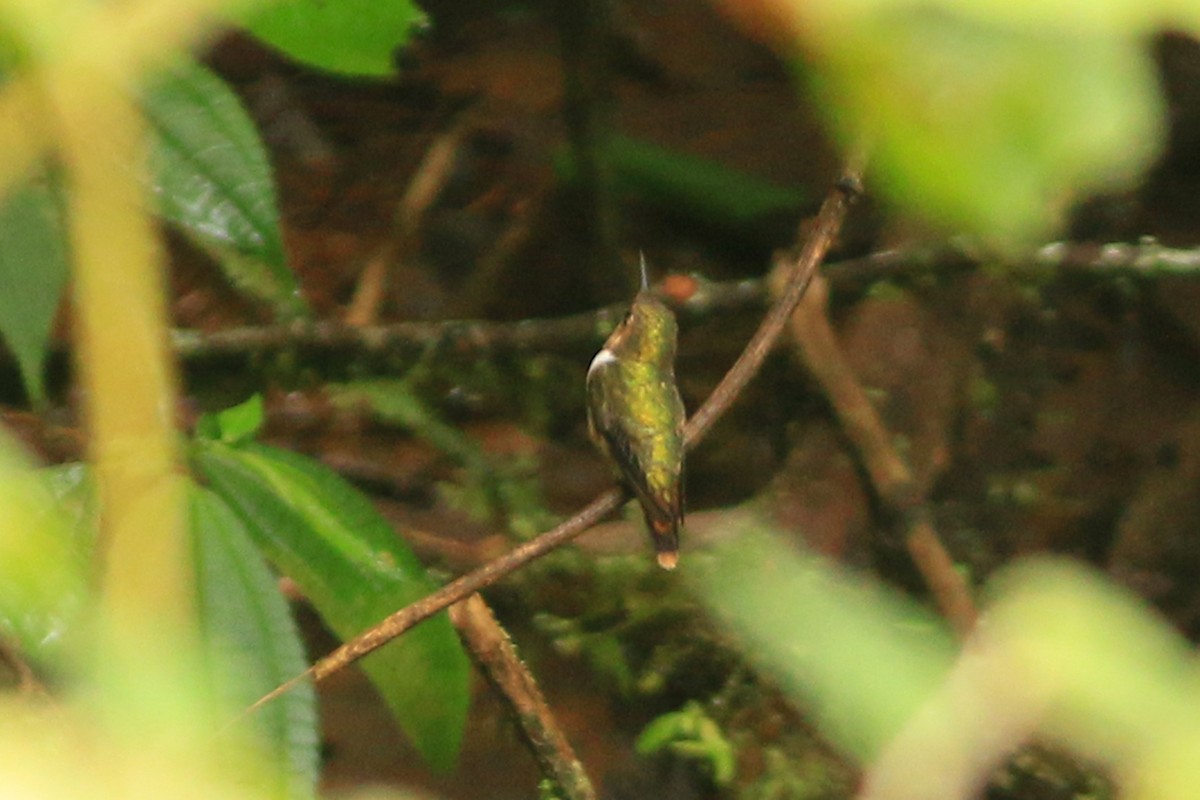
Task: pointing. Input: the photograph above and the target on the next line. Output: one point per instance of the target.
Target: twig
(889, 473)
(824, 231)
(947, 585)
(492, 266)
(493, 650)
(464, 338)
(427, 183)
(1146, 259)
(567, 335)
(377, 636)
(400, 340)
(799, 274)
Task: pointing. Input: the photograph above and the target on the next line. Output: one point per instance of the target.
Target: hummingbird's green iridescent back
(636, 416)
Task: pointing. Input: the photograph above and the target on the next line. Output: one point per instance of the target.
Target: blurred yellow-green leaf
(44, 571)
(988, 128)
(860, 656)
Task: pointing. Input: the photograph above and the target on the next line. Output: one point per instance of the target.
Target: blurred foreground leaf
(1061, 655)
(67, 751)
(984, 116)
(141, 720)
(45, 578)
(861, 657)
(356, 571)
(1066, 657)
(989, 128)
(213, 180)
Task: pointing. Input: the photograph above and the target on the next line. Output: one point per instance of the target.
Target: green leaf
(986, 127)
(863, 659)
(238, 423)
(350, 37)
(691, 733)
(356, 571)
(44, 569)
(251, 641)
(33, 271)
(74, 492)
(212, 179)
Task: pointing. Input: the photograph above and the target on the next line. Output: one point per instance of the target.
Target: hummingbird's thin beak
(645, 279)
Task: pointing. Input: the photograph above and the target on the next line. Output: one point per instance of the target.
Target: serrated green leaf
(350, 37)
(356, 571)
(251, 641)
(212, 179)
(33, 271)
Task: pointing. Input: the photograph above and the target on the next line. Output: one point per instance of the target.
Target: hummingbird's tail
(665, 533)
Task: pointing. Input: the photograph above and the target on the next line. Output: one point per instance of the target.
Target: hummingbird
(635, 415)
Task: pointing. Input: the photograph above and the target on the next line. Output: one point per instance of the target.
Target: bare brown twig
(493, 651)
(377, 636)
(428, 181)
(799, 275)
(824, 232)
(889, 473)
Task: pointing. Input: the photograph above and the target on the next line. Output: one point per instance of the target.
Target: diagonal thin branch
(824, 231)
(377, 636)
(889, 473)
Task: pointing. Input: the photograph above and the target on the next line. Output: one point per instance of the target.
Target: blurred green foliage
(690, 733)
(992, 118)
(1060, 655)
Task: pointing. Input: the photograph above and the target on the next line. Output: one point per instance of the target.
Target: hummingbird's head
(648, 332)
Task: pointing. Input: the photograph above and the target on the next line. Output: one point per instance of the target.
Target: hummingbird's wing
(623, 439)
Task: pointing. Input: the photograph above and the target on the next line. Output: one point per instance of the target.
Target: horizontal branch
(578, 333)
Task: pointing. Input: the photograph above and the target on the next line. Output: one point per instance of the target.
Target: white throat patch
(605, 356)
